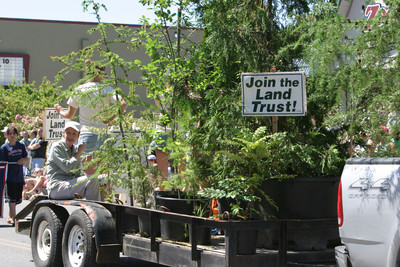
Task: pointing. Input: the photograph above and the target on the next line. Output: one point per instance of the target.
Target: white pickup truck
(369, 213)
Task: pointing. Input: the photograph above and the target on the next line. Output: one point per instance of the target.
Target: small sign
(14, 68)
(11, 70)
(274, 94)
(53, 124)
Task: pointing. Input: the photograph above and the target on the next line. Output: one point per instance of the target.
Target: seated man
(64, 179)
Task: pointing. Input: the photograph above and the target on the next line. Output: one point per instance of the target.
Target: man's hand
(22, 161)
(58, 108)
(81, 148)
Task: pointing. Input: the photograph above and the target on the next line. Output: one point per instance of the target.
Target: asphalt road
(15, 249)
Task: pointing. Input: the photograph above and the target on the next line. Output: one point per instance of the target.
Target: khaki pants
(84, 186)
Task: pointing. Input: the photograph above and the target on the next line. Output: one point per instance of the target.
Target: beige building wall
(42, 39)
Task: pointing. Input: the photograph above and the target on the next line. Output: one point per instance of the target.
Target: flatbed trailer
(100, 231)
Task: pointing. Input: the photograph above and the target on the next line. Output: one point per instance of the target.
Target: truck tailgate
(370, 195)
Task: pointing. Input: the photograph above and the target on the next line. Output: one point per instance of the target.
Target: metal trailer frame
(112, 225)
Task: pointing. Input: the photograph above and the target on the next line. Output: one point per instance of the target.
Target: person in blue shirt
(15, 154)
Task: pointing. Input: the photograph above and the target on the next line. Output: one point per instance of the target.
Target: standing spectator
(25, 138)
(15, 154)
(64, 179)
(89, 112)
(33, 135)
(26, 141)
(37, 149)
(380, 147)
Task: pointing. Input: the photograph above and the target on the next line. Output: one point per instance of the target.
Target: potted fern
(240, 170)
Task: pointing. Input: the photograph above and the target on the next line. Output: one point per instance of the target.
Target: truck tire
(47, 230)
(78, 244)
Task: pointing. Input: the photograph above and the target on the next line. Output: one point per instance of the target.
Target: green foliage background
(195, 92)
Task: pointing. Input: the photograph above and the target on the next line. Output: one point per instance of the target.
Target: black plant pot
(301, 198)
(168, 201)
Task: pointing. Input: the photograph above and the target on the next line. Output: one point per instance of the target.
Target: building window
(14, 68)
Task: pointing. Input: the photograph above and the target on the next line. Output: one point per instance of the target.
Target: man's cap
(74, 125)
(151, 157)
(4, 129)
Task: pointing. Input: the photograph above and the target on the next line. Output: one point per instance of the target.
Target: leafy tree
(174, 79)
(353, 69)
(26, 100)
(247, 37)
(196, 89)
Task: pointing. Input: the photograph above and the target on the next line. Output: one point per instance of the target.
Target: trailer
(85, 233)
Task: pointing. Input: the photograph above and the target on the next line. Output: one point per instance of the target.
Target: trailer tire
(47, 230)
(78, 244)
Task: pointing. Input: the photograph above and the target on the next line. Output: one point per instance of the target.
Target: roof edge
(84, 23)
(64, 21)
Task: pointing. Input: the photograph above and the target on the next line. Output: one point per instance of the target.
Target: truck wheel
(78, 245)
(47, 230)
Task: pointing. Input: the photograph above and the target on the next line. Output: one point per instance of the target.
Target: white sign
(11, 70)
(274, 94)
(53, 124)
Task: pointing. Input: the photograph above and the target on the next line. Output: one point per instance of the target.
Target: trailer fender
(108, 249)
(56, 208)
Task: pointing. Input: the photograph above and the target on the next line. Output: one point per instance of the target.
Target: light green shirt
(61, 164)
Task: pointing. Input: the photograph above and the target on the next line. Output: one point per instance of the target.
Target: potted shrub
(146, 175)
(311, 193)
(127, 154)
(240, 170)
(255, 173)
(239, 173)
(182, 196)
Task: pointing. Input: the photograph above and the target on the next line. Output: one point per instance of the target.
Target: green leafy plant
(22, 104)
(255, 157)
(241, 170)
(353, 67)
(196, 89)
(146, 175)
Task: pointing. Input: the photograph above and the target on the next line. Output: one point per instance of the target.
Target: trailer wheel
(47, 230)
(78, 246)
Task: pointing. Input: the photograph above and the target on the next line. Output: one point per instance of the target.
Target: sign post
(274, 119)
(274, 94)
(53, 124)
